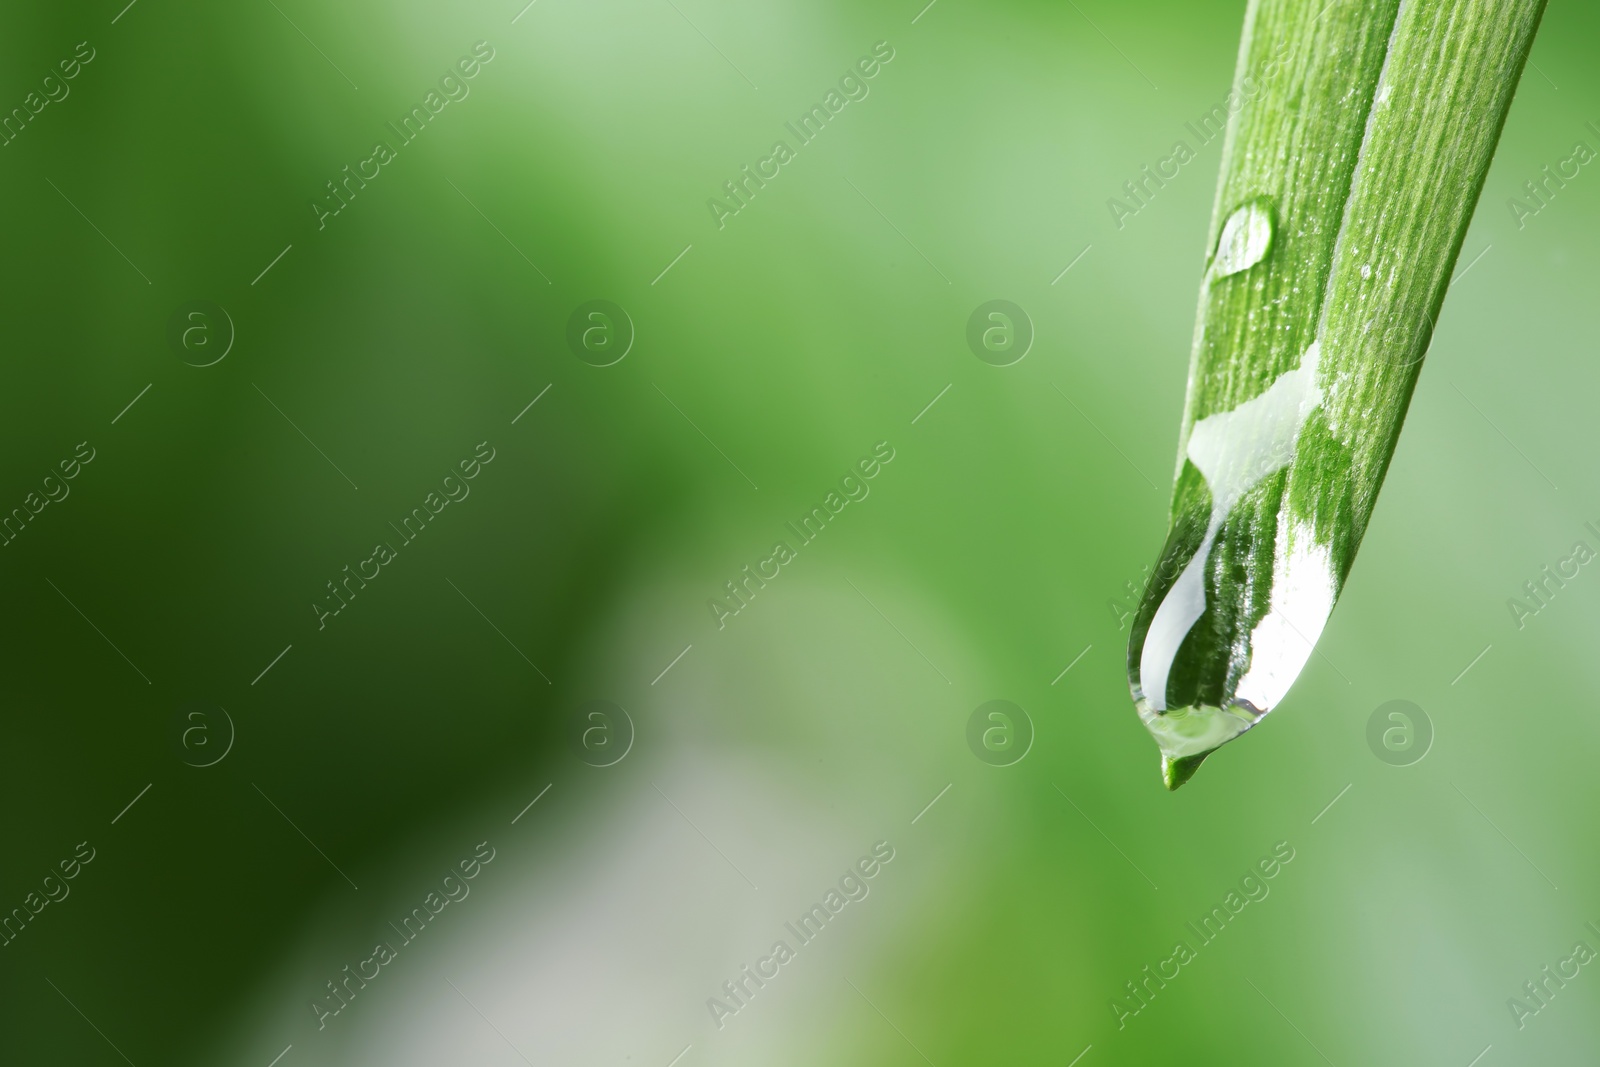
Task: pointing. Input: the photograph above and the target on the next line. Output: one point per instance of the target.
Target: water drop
(1246, 239)
(1211, 652)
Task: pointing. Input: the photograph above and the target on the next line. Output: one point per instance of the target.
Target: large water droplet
(1246, 239)
(1234, 610)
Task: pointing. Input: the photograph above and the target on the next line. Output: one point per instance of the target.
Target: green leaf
(1362, 135)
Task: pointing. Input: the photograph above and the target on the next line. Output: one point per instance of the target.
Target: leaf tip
(1175, 772)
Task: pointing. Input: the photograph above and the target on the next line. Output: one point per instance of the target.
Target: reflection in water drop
(1234, 451)
(1245, 241)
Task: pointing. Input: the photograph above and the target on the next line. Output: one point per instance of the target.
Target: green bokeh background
(819, 321)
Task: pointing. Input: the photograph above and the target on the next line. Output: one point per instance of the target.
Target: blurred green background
(771, 356)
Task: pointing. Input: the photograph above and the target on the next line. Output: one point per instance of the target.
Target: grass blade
(1363, 133)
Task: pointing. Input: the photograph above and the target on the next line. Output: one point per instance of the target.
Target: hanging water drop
(1210, 654)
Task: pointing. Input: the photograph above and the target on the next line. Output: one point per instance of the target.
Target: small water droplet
(1245, 241)
(1366, 270)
